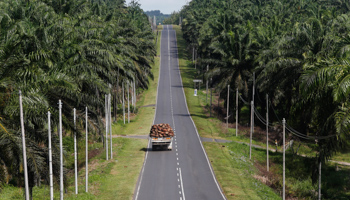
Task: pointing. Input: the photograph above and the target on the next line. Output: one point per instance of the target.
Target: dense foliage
(70, 50)
(160, 17)
(299, 51)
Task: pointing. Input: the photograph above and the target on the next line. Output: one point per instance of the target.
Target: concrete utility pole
(193, 55)
(75, 152)
(106, 121)
(110, 121)
(211, 93)
(284, 158)
(50, 155)
(267, 132)
(86, 151)
(61, 149)
(251, 128)
(195, 58)
(236, 112)
(228, 104)
(207, 85)
(123, 102)
(134, 95)
(128, 103)
(24, 147)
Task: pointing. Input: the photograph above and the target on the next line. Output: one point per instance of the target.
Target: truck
(161, 136)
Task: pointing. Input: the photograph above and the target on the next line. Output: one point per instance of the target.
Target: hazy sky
(165, 6)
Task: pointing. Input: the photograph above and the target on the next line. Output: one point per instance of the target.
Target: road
(184, 172)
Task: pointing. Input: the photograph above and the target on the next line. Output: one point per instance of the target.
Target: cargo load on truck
(161, 136)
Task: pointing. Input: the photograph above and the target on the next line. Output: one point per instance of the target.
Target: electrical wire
(244, 101)
(288, 128)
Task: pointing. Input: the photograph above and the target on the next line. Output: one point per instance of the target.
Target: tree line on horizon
(76, 51)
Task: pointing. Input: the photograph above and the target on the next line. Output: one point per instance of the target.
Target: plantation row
(76, 51)
(298, 50)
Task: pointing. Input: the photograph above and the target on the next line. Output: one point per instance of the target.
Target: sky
(165, 6)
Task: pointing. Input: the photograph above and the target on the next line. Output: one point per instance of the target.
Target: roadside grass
(241, 178)
(234, 176)
(235, 172)
(112, 179)
(145, 104)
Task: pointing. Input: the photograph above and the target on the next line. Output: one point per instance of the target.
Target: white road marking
(155, 113)
(178, 164)
(182, 185)
(183, 91)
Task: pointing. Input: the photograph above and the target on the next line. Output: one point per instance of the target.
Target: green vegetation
(113, 179)
(241, 178)
(298, 51)
(76, 51)
(160, 17)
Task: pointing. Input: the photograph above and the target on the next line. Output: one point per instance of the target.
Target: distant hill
(159, 16)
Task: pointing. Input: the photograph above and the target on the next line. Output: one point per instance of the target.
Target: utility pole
(135, 97)
(252, 117)
(267, 132)
(50, 155)
(75, 152)
(192, 54)
(61, 149)
(107, 121)
(123, 102)
(128, 103)
(86, 151)
(195, 59)
(211, 93)
(24, 147)
(132, 96)
(110, 121)
(228, 104)
(284, 158)
(236, 112)
(251, 128)
(207, 83)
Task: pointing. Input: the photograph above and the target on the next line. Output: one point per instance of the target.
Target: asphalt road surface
(184, 172)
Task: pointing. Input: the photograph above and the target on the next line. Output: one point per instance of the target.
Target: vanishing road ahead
(184, 172)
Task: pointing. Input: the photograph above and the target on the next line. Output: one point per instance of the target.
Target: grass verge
(241, 178)
(113, 179)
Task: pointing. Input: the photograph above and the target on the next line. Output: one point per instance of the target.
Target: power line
(288, 127)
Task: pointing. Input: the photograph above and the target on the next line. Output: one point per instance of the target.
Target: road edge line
(155, 113)
(205, 153)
